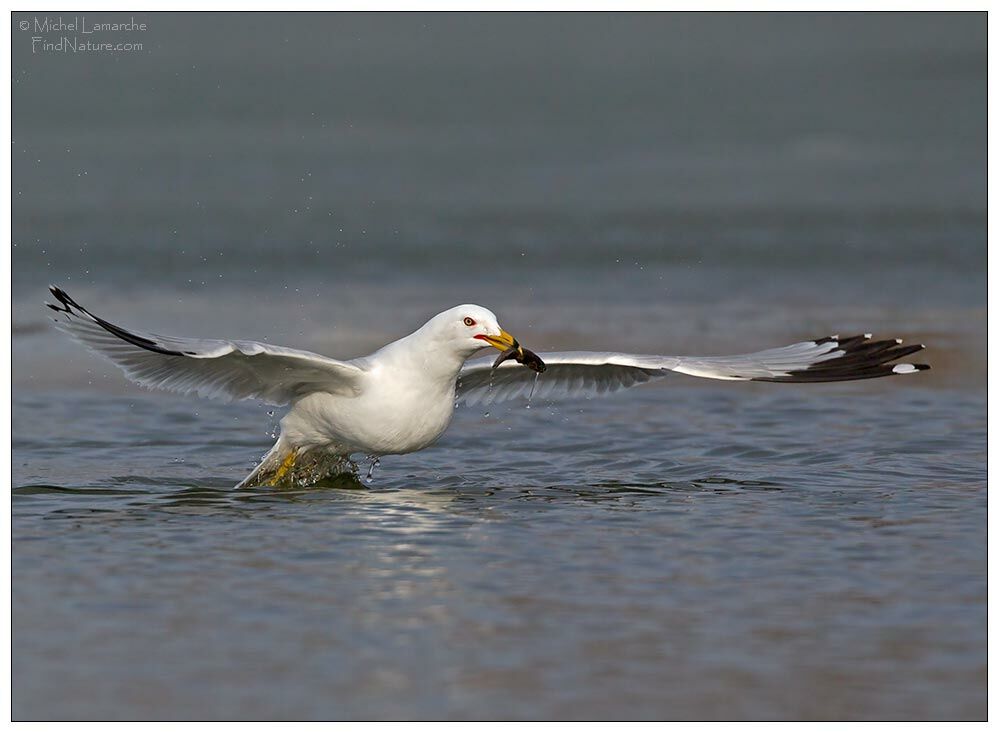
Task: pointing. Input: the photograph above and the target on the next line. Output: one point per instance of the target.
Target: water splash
(371, 468)
(312, 468)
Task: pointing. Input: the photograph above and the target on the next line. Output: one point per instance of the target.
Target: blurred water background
(664, 184)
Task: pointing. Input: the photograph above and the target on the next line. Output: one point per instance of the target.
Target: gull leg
(274, 466)
(286, 465)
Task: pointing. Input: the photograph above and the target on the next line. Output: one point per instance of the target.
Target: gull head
(466, 329)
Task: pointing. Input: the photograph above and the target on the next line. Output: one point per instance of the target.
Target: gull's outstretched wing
(588, 373)
(227, 370)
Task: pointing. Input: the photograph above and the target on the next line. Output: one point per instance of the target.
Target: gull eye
(469, 321)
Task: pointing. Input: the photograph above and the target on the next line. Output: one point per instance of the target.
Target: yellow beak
(502, 342)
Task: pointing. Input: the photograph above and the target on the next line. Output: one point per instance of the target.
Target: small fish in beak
(523, 356)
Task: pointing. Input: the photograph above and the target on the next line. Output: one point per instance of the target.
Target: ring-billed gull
(401, 398)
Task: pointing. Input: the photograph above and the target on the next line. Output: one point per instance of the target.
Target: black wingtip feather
(69, 305)
(861, 359)
(63, 297)
(66, 302)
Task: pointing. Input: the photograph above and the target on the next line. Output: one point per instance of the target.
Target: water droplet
(533, 387)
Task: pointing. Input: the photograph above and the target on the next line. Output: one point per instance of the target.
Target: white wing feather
(226, 370)
(572, 374)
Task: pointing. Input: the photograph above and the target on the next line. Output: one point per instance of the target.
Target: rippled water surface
(674, 553)
(678, 185)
